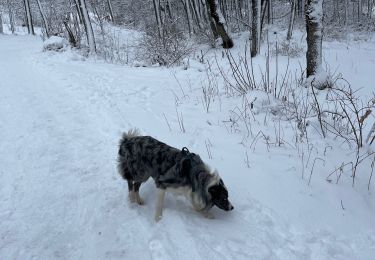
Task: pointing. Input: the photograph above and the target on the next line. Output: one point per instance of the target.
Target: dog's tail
(126, 136)
(131, 133)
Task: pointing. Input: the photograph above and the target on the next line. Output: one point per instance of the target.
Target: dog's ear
(185, 166)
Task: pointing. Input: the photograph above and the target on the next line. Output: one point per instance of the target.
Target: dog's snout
(229, 207)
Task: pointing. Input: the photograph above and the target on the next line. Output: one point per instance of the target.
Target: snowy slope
(61, 198)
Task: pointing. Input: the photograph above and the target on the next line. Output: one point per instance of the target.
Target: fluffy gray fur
(142, 157)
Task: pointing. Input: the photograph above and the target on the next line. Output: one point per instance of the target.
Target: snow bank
(320, 80)
(55, 43)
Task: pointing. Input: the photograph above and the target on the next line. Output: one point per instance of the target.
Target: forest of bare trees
(167, 21)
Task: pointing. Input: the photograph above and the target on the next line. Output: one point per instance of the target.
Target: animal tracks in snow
(60, 194)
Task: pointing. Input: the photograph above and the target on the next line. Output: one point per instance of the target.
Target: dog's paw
(208, 215)
(132, 197)
(158, 218)
(139, 200)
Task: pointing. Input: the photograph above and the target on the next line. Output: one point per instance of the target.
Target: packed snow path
(61, 197)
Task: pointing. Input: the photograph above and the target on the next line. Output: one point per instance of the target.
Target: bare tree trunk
(346, 11)
(219, 23)
(43, 18)
(77, 29)
(79, 10)
(94, 7)
(204, 10)
(238, 11)
(359, 9)
(169, 7)
(314, 28)
(110, 11)
(250, 18)
(369, 8)
(88, 26)
(197, 7)
(1, 23)
(29, 18)
(188, 15)
(212, 25)
(11, 17)
(300, 8)
(291, 20)
(270, 12)
(255, 27)
(263, 8)
(72, 39)
(198, 19)
(158, 19)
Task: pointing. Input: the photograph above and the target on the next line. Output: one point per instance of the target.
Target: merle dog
(174, 170)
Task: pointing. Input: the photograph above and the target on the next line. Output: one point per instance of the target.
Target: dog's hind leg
(159, 204)
(131, 191)
(137, 198)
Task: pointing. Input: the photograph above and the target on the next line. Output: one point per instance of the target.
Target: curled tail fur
(131, 133)
(125, 136)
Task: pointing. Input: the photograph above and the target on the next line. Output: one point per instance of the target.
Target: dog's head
(219, 196)
(211, 185)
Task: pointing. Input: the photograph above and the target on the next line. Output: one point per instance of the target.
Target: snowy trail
(61, 198)
(43, 163)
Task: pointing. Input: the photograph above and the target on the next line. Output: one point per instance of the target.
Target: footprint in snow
(157, 250)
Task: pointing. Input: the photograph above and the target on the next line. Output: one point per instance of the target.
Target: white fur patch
(215, 180)
(194, 198)
(197, 201)
(186, 190)
(159, 205)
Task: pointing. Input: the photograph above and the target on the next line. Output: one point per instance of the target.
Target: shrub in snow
(55, 43)
(289, 48)
(169, 49)
(117, 45)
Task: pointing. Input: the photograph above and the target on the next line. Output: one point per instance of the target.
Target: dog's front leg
(159, 204)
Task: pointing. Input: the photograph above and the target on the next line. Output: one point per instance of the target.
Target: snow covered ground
(61, 117)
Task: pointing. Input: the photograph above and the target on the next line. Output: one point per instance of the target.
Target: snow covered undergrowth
(60, 196)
